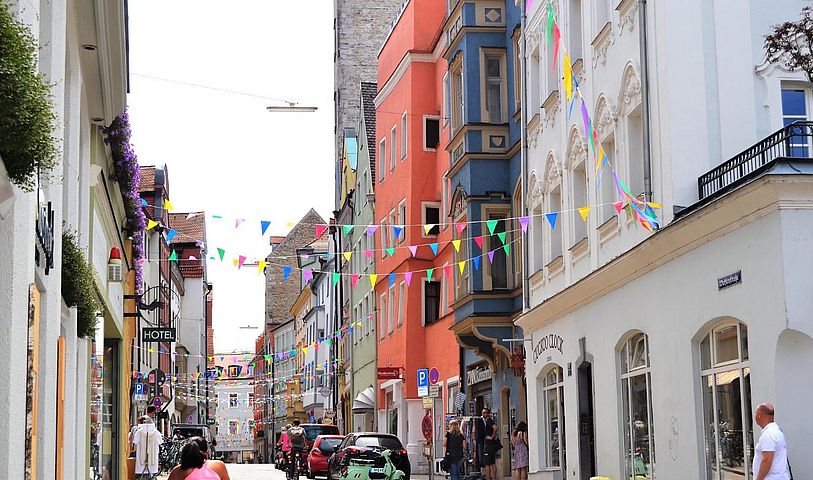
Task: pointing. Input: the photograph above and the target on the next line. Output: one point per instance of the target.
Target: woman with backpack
(455, 444)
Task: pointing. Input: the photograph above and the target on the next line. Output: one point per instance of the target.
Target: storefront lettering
(548, 341)
(478, 375)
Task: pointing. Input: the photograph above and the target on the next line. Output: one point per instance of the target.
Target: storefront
(654, 377)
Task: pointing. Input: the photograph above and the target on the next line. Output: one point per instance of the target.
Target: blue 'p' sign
(423, 377)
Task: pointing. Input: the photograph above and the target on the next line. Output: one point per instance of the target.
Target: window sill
(556, 265)
(608, 229)
(579, 250)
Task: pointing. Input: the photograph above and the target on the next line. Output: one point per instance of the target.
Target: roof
(147, 183)
(368, 92)
(190, 229)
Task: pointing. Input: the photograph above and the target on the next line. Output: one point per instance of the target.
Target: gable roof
(368, 92)
(147, 182)
(190, 228)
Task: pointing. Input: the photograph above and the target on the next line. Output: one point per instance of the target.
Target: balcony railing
(794, 140)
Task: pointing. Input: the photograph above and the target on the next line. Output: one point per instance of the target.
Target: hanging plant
(27, 118)
(78, 289)
(127, 175)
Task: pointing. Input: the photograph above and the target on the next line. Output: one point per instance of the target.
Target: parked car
(323, 447)
(313, 430)
(359, 444)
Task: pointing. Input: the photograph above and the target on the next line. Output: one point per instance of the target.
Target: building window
(431, 133)
(534, 84)
(383, 315)
(794, 109)
(431, 216)
(234, 370)
(725, 381)
(391, 311)
(402, 220)
(431, 302)
(233, 427)
(383, 231)
(601, 15)
(382, 159)
(393, 143)
(232, 400)
(635, 152)
(575, 28)
(457, 97)
(494, 88)
(404, 136)
(578, 179)
(498, 269)
(401, 303)
(393, 221)
(554, 205)
(606, 184)
(462, 279)
(636, 398)
(251, 398)
(553, 395)
(445, 113)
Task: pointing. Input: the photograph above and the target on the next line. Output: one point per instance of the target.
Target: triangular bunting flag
(151, 224)
(390, 251)
(408, 277)
(479, 241)
(347, 255)
(523, 223)
(238, 222)
(170, 235)
(507, 248)
(391, 279)
(413, 249)
(501, 236)
(320, 229)
(491, 256)
(173, 256)
(557, 35)
(619, 205)
(261, 266)
(335, 277)
(427, 227)
(434, 247)
(491, 224)
(354, 279)
(221, 253)
(396, 231)
(461, 265)
(240, 261)
(460, 226)
(373, 278)
(568, 80)
(264, 224)
(429, 274)
(167, 205)
(584, 211)
(368, 253)
(456, 244)
(234, 261)
(447, 270)
(144, 203)
(307, 275)
(286, 271)
(476, 261)
(347, 229)
(371, 230)
(552, 219)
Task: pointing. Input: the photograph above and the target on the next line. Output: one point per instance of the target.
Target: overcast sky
(225, 154)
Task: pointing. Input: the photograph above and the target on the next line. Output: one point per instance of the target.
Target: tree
(790, 43)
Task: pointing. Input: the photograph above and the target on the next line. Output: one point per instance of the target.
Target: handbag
(497, 444)
(444, 464)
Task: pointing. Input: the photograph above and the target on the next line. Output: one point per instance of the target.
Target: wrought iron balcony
(793, 141)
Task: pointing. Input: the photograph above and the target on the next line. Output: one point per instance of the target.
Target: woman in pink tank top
(195, 464)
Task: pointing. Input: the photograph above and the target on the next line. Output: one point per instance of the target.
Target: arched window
(636, 393)
(553, 394)
(725, 381)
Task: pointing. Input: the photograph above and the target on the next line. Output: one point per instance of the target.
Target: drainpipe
(645, 123)
(524, 161)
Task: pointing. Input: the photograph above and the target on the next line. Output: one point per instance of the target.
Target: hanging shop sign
(479, 374)
(158, 334)
(551, 341)
(389, 373)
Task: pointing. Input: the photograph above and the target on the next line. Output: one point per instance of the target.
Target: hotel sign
(547, 342)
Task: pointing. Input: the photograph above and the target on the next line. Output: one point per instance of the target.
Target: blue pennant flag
(264, 226)
(392, 279)
(434, 247)
(476, 261)
(397, 231)
(552, 219)
(286, 271)
(171, 234)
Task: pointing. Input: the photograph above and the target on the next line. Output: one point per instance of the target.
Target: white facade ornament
(627, 14)
(602, 42)
(532, 40)
(576, 148)
(534, 190)
(553, 173)
(551, 107)
(606, 115)
(630, 95)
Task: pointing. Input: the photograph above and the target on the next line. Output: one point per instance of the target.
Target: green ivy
(77, 285)
(27, 118)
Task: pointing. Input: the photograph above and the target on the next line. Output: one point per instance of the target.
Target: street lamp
(291, 107)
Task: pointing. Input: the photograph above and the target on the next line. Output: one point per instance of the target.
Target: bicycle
(294, 464)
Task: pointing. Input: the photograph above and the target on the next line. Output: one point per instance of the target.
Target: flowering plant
(126, 173)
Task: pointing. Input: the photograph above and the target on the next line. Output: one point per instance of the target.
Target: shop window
(636, 398)
(553, 390)
(431, 132)
(431, 302)
(725, 382)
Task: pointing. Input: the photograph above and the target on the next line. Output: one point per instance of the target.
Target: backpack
(296, 435)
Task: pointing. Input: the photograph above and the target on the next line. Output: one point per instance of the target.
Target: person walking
(519, 461)
(455, 444)
(195, 463)
(771, 451)
(131, 436)
(486, 435)
(148, 440)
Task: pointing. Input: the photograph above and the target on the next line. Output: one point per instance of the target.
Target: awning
(364, 401)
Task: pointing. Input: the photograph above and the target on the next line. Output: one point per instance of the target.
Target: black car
(361, 444)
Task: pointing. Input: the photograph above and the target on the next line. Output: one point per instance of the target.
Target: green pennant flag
(429, 274)
(173, 256)
(501, 236)
(491, 224)
(550, 20)
(347, 229)
(336, 278)
(507, 248)
(221, 252)
(391, 251)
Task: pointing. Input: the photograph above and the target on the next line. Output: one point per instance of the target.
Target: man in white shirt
(771, 456)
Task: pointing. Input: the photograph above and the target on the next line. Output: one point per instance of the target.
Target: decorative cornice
(627, 11)
(576, 148)
(606, 115)
(578, 70)
(630, 95)
(551, 106)
(601, 43)
(553, 173)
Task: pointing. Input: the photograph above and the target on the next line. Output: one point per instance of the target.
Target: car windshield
(329, 444)
(311, 432)
(387, 443)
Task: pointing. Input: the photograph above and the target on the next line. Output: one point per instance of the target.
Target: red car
(323, 447)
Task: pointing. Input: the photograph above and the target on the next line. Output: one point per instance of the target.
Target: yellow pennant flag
(456, 244)
(461, 266)
(151, 224)
(347, 255)
(373, 278)
(584, 211)
(261, 266)
(599, 159)
(428, 227)
(568, 78)
(234, 260)
(654, 205)
(168, 205)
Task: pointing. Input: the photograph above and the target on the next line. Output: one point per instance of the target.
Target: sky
(224, 152)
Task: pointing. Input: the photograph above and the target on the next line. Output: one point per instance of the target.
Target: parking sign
(423, 382)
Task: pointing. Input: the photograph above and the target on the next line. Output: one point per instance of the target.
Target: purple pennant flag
(491, 256)
(523, 222)
(408, 276)
(371, 230)
(307, 275)
(585, 119)
(413, 249)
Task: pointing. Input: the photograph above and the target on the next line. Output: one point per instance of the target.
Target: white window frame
(501, 81)
(404, 136)
(628, 373)
(546, 421)
(402, 221)
(424, 206)
(423, 144)
(391, 310)
(383, 231)
(382, 156)
(393, 218)
(393, 147)
(445, 111)
(383, 316)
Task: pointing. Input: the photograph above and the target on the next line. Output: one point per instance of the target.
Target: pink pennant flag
(408, 276)
(413, 249)
(619, 205)
(523, 222)
(320, 229)
(491, 256)
(447, 270)
(460, 227)
(238, 221)
(368, 253)
(479, 241)
(354, 279)
(240, 261)
(307, 275)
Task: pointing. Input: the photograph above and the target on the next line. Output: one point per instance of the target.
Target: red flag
(320, 229)
(556, 37)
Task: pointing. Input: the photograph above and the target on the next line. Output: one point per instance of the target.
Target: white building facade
(647, 352)
(234, 394)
